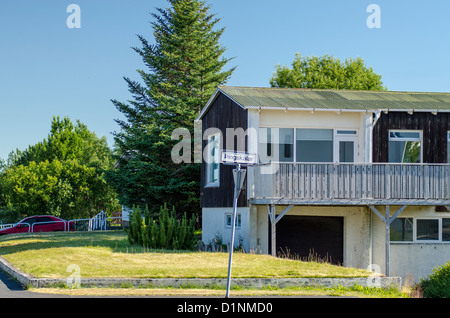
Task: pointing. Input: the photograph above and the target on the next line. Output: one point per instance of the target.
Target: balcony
(350, 184)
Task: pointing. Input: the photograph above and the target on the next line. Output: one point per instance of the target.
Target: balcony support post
(387, 219)
(273, 223)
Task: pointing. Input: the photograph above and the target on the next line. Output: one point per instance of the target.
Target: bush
(437, 285)
(10, 216)
(167, 232)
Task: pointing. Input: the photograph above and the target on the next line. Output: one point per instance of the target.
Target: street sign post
(233, 157)
(238, 159)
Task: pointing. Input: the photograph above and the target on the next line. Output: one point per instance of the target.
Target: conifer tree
(184, 66)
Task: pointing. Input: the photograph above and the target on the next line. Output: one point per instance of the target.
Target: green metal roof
(323, 99)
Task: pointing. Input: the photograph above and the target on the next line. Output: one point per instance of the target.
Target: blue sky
(47, 69)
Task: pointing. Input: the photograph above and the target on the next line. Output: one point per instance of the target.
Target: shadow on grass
(116, 241)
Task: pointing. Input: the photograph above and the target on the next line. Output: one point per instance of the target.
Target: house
(360, 178)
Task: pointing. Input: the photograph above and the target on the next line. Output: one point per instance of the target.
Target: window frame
(414, 234)
(229, 216)
(420, 139)
(209, 163)
(350, 133)
(439, 226)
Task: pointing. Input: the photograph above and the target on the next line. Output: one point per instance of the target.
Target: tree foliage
(166, 231)
(63, 175)
(327, 72)
(183, 68)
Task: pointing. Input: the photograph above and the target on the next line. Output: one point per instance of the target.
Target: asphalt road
(9, 288)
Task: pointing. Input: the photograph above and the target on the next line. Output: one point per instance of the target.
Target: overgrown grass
(108, 254)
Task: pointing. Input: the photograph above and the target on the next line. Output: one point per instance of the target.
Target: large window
(314, 145)
(420, 230)
(427, 230)
(311, 145)
(405, 146)
(213, 160)
(402, 230)
(276, 144)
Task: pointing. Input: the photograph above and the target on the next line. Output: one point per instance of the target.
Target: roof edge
(212, 100)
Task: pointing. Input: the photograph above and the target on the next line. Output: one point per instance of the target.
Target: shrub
(437, 285)
(166, 232)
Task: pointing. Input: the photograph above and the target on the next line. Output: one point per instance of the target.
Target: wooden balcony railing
(350, 182)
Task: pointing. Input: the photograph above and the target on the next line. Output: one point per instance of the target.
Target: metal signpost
(238, 159)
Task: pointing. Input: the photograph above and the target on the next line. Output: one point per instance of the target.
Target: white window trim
(405, 138)
(439, 239)
(208, 171)
(355, 137)
(420, 139)
(230, 215)
(415, 240)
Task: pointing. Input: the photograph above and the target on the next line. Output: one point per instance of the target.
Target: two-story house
(354, 177)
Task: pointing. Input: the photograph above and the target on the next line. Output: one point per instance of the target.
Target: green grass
(354, 291)
(108, 254)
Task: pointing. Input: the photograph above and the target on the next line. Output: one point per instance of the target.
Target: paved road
(9, 288)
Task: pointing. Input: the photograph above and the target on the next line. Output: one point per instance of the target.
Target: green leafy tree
(183, 68)
(63, 175)
(327, 72)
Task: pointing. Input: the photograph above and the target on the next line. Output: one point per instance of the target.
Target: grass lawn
(108, 254)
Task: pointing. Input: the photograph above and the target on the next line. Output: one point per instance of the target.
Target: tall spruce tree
(184, 67)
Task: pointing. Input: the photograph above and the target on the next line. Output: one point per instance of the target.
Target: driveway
(9, 288)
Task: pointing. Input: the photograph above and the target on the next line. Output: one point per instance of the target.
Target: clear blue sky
(48, 69)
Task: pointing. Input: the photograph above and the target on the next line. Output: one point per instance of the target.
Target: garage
(302, 236)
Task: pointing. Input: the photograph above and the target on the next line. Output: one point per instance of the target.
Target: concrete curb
(26, 279)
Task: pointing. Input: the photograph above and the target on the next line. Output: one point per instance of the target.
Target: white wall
(409, 260)
(214, 225)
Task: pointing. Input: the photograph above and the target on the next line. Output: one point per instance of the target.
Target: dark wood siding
(434, 133)
(223, 113)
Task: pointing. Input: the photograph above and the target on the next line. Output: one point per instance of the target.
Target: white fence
(100, 222)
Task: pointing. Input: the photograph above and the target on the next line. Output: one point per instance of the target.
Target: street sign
(244, 158)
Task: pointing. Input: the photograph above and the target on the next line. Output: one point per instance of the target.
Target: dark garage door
(302, 236)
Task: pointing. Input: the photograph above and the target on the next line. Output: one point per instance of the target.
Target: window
(405, 146)
(448, 147)
(30, 221)
(446, 229)
(427, 229)
(311, 145)
(45, 219)
(213, 160)
(276, 144)
(402, 230)
(420, 230)
(229, 217)
(314, 145)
